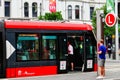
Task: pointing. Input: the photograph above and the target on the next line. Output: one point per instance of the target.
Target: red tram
(34, 48)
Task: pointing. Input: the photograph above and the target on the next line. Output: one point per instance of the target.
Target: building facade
(72, 10)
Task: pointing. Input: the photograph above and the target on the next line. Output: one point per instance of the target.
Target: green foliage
(51, 16)
(107, 30)
(41, 17)
(94, 20)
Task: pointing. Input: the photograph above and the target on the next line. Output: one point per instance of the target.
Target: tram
(35, 48)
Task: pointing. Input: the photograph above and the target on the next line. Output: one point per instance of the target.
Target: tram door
(62, 56)
(1, 57)
(89, 53)
(78, 49)
(84, 52)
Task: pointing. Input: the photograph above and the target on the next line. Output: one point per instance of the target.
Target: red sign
(52, 5)
(110, 19)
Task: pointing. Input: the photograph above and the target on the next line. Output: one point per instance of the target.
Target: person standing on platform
(70, 55)
(101, 59)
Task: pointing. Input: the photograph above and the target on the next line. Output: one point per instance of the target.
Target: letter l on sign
(110, 19)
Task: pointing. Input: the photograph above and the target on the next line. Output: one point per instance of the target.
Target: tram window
(27, 47)
(49, 47)
(62, 47)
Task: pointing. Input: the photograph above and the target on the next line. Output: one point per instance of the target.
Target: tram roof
(11, 24)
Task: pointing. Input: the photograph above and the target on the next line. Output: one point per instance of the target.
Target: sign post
(116, 32)
(99, 29)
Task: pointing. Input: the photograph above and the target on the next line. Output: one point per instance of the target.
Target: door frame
(62, 62)
(3, 55)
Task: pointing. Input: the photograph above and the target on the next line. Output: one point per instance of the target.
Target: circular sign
(110, 19)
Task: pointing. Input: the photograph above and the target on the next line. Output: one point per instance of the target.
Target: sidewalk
(112, 73)
(68, 76)
(112, 69)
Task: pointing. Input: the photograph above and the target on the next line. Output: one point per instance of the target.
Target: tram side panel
(25, 68)
(10, 55)
(36, 67)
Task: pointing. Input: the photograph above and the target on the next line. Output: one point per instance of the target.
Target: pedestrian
(109, 49)
(101, 59)
(70, 55)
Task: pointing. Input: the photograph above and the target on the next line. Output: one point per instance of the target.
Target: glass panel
(69, 12)
(7, 9)
(119, 11)
(91, 12)
(76, 12)
(0, 2)
(90, 48)
(26, 9)
(34, 10)
(63, 49)
(40, 9)
(27, 47)
(49, 47)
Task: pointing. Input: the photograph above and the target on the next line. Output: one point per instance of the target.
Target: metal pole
(98, 13)
(99, 25)
(116, 32)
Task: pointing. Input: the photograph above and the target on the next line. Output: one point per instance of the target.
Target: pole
(116, 32)
(99, 29)
(98, 25)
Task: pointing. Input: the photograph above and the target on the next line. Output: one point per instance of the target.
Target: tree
(107, 30)
(51, 16)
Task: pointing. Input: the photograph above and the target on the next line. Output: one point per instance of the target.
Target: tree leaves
(51, 16)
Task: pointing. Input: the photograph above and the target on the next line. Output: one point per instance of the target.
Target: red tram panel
(46, 25)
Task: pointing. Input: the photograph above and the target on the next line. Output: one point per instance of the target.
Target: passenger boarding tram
(34, 48)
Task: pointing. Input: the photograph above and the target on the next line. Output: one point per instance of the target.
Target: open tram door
(84, 48)
(2, 52)
(77, 43)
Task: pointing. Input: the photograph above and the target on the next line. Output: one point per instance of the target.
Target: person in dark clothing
(109, 49)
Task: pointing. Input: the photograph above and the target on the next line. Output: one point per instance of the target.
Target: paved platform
(112, 73)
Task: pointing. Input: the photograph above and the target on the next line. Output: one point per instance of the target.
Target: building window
(69, 12)
(76, 12)
(0, 2)
(27, 47)
(7, 9)
(82, 12)
(49, 47)
(91, 12)
(40, 8)
(26, 9)
(119, 12)
(34, 9)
